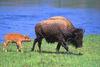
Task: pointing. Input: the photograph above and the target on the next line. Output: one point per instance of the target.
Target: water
(23, 19)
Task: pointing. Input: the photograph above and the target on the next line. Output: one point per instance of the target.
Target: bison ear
(81, 30)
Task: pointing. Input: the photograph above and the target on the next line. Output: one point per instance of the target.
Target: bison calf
(15, 38)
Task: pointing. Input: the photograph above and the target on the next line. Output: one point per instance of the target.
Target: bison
(60, 30)
(15, 38)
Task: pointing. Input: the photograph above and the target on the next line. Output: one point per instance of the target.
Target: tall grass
(49, 58)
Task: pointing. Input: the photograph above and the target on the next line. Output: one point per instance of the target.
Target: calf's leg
(19, 47)
(5, 45)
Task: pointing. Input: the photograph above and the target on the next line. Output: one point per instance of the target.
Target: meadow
(49, 58)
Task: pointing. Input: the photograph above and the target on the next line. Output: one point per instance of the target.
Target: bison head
(78, 38)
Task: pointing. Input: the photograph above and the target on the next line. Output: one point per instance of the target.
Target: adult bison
(58, 29)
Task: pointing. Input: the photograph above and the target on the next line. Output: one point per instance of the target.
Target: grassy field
(49, 57)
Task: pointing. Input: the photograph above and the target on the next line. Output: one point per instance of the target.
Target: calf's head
(26, 39)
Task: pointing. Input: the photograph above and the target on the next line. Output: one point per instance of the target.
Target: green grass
(48, 58)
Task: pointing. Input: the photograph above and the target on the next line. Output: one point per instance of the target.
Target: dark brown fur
(58, 30)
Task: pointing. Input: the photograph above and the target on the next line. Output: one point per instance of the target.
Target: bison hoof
(80, 54)
(32, 49)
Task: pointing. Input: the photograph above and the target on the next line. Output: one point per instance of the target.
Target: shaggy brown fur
(57, 20)
(58, 30)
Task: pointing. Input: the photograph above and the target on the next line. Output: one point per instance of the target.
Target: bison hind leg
(39, 44)
(39, 40)
(35, 41)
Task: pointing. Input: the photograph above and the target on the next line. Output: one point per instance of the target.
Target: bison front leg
(58, 47)
(62, 42)
(65, 46)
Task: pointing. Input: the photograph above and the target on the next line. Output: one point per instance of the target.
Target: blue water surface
(23, 19)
